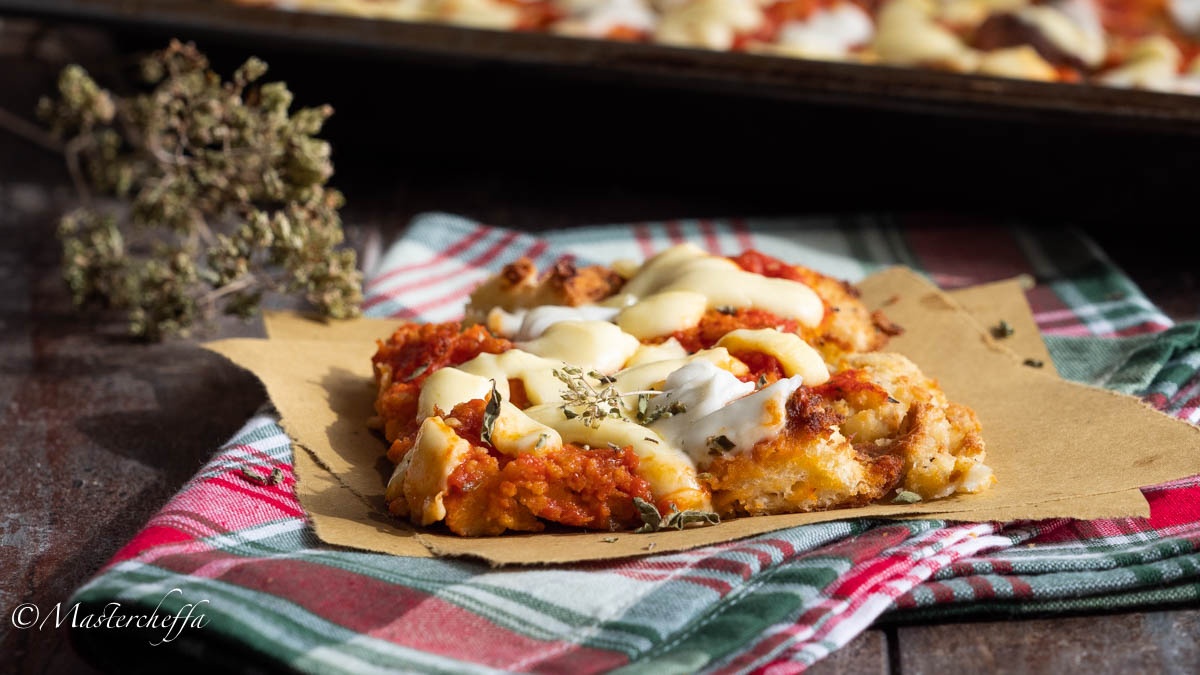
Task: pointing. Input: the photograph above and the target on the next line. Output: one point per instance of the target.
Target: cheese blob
(590, 345)
(721, 415)
(421, 478)
(699, 388)
(528, 324)
(663, 314)
(720, 412)
(827, 33)
(689, 268)
(513, 432)
(663, 351)
(793, 354)
(536, 373)
(670, 472)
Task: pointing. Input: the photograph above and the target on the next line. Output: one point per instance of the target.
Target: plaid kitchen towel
(274, 597)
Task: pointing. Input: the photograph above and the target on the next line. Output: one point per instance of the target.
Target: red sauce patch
(761, 263)
(714, 325)
(434, 346)
(412, 354)
(761, 366)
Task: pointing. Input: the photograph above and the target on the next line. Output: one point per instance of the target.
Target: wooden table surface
(97, 431)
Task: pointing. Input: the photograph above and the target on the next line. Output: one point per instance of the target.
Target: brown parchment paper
(1059, 449)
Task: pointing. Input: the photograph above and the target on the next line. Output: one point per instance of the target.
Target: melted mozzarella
(907, 34)
(1073, 34)
(827, 33)
(708, 23)
(669, 350)
(476, 13)
(794, 354)
(1021, 62)
(687, 267)
(670, 472)
(591, 345)
(535, 372)
(513, 432)
(702, 389)
(744, 422)
(529, 324)
(653, 375)
(447, 387)
(663, 314)
(421, 477)
(598, 18)
(1152, 64)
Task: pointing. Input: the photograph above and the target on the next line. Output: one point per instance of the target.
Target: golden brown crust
(518, 286)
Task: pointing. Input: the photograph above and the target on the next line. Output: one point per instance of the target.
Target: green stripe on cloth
(1129, 365)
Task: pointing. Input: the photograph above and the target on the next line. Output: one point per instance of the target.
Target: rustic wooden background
(97, 432)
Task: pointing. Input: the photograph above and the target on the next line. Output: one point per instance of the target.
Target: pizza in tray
(1146, 44)
(692, 384)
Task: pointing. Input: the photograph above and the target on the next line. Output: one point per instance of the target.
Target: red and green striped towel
(273, 596)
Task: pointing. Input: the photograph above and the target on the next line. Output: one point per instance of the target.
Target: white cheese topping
(664, 351)
(794, 355)
(1153, 64)
(827, 33)
(513, 432)
(535, 372)
(670, 472)
(591, 345)
(906, 34)
(719, 405)
(652, 375)
(529, 324)
(1074, 34)
(663, 314)
(598, 18)
(687, 267)
(699, 387)
(714, 24)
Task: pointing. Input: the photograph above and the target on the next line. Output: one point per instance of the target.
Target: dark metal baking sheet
(870, 87)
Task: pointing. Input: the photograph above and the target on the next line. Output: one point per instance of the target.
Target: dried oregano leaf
(653, 521)
(491, 412)
(218, 195)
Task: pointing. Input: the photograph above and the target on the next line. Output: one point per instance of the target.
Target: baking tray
(853, 85)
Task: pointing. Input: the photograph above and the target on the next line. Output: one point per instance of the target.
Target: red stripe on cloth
(454, 249)
(1157, 400)
(268, 461)
(784, 547)
(982, 588)
(641, 233)
(711, 241)
(717, 585)
(1143, 328)
(766, 646)
(1021, 588)
(674, 232)
(461, 291)
(1042, 298)
(951, 251)
(536, 250)
(941, 592)
(742, 233)
(259, 495)
(1172, 508)
(869, 573)
(151, 537)
(386, 611)
(478, 261)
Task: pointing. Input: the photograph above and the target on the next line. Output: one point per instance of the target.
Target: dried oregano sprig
(221, 193)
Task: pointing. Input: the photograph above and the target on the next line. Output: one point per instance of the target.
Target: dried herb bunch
(220, 196)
